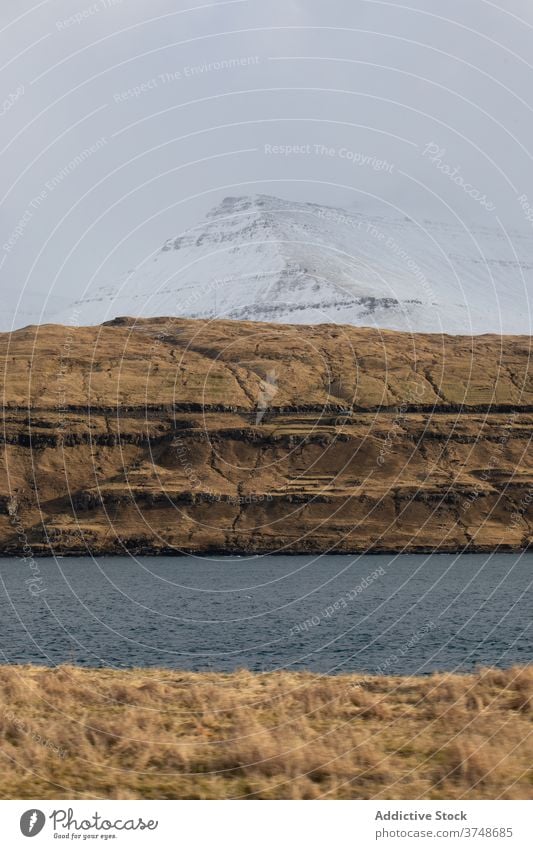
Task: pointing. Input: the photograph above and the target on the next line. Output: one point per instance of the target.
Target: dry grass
(79, 733)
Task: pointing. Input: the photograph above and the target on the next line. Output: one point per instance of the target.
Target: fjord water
(390, 614)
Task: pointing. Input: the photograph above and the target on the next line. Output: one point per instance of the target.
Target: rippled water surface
(383, 613)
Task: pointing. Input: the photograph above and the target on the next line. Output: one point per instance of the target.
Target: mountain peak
(234, 205)
(261, 258)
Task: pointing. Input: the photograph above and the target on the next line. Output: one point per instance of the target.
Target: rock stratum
(168, 436)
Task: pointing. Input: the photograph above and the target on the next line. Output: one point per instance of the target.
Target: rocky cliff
(173, 435)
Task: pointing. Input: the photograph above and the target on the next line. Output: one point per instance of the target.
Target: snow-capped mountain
(266, 259)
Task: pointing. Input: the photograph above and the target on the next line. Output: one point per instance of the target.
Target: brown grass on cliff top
(79, 733)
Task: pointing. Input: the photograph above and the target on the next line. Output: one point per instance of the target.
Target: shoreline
(170, 553)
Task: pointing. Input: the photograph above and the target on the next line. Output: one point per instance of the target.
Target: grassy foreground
(82, 733)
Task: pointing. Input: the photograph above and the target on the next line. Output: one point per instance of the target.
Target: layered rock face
(173, 435)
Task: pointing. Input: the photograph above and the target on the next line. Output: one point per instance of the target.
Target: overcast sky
(122, 123)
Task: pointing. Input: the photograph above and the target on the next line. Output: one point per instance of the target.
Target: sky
(124, 121)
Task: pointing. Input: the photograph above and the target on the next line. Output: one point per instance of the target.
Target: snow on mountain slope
(266, 259)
